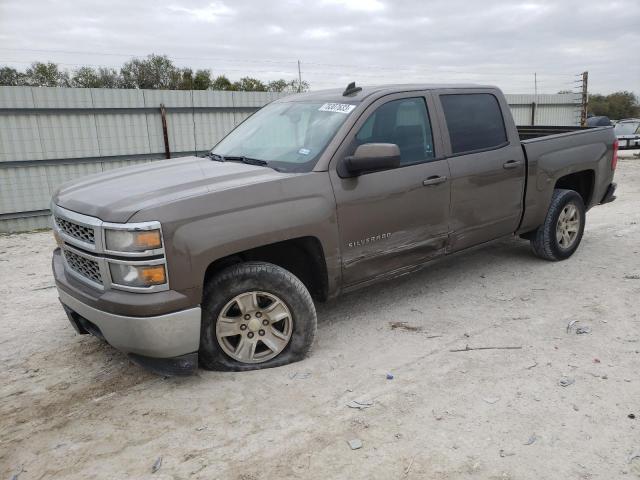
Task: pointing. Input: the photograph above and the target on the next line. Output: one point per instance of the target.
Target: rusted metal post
(533, 113)
(165, 133)
(585, 99)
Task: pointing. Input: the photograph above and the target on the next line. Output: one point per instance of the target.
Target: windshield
(627, 128)
(288, 136)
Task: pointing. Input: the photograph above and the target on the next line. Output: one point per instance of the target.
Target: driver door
(394, 220)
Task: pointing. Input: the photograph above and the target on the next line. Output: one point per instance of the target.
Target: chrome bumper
(162, 336)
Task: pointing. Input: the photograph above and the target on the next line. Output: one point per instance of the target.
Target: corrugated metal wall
(557, 109)
(52, 135)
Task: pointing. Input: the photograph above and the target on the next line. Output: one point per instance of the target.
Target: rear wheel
(255, 315)
(560, 234)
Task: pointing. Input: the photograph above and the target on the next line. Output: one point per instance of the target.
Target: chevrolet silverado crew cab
(217, 260)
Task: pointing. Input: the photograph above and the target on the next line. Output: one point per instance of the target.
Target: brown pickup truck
(217, 260)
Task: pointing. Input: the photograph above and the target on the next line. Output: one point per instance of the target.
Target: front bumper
(166, 342)
(161, 336)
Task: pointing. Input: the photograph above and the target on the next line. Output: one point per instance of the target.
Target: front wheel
(560, 234)
(255, 315)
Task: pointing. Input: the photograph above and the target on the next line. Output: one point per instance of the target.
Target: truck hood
(115, 196)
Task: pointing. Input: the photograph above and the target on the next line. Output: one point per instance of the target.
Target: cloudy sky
(500, 42)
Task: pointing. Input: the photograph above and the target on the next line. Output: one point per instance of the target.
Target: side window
(404, 122)
(474, 121)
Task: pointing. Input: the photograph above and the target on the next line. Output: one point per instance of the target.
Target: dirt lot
(72, 407)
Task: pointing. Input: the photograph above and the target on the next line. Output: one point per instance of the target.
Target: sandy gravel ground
(72, 407)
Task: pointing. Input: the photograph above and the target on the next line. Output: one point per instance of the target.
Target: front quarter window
(289, 136)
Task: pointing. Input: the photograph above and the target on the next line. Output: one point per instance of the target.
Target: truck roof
(336, 94)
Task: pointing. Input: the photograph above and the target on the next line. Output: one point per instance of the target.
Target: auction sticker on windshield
(337, 107)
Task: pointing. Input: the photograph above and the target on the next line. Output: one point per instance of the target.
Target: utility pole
(535, 85)
(584, 99)
(299, 78)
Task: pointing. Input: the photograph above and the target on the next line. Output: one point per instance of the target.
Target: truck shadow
(460, 270)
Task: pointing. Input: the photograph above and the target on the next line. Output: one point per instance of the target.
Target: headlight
(133, 240)
(137, 275)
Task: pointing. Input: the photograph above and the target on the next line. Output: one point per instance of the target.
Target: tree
(277, 85)
(296, 86)
(46, 75)
(152, 72)
(85, 77)
(11, 77)
(222, 83)
(616, 105)
(291, 86)
(202, 80)
(156, 71)
(248, 84)
(109, 78)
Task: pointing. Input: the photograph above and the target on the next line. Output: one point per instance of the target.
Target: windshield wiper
(247, 160)
(215, 156)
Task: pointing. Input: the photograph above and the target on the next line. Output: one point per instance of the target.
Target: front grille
(86, 267)
(79, 232)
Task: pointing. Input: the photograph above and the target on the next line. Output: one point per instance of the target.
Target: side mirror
(371, 157)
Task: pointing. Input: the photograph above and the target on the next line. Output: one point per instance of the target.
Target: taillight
(614, 158)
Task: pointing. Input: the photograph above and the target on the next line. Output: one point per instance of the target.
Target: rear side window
(474, 121)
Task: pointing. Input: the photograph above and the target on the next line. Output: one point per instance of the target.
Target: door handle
(511, 164)
(434, 180)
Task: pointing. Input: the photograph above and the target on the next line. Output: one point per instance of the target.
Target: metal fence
(52, 135)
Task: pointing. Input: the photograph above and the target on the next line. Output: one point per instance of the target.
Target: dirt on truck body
(217, 261)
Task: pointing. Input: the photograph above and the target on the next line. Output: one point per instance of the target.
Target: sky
(497, 42)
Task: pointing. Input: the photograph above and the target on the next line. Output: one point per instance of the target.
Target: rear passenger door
(486, 163)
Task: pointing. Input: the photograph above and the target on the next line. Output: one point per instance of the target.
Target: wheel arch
(582, 182)
(303, 256)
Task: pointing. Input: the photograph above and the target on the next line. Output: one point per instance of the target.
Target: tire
(248, 298)
(545, 242)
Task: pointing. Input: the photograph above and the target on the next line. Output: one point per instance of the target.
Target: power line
(410, 67)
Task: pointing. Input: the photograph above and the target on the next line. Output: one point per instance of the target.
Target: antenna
(351, 89)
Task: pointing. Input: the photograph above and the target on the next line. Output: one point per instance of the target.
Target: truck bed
(553, 156)
(528, 132)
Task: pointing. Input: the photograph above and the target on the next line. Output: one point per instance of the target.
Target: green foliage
(11, 77)
(222, 83)
(152, 72)
(289, 87)
(248, 84)
(85, 77)
(202, 80)
(616, 106)
(46, 75)
(109, 78)
(156, 71)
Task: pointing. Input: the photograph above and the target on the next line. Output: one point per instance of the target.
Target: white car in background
(628, 133)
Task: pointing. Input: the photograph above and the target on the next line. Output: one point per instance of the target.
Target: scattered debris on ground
(156, 465)
(360, 404)
(405, 326)
(469, 349)
(355, 444)
(566, 381)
